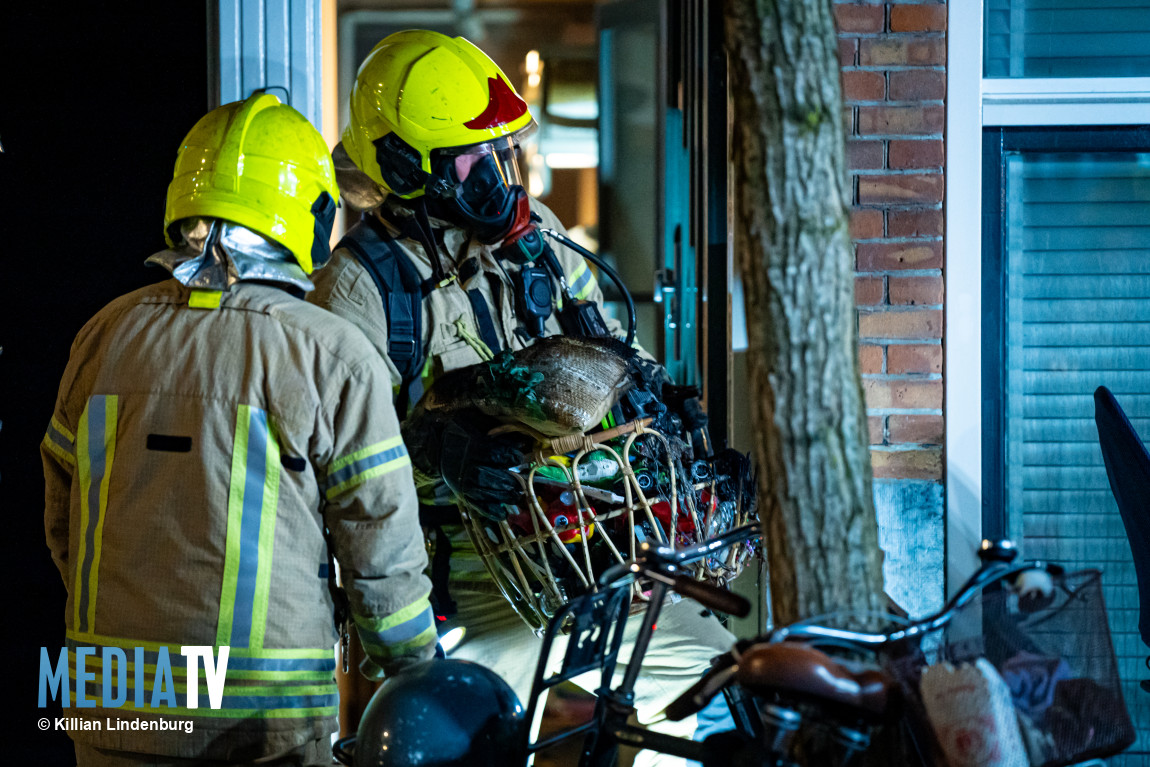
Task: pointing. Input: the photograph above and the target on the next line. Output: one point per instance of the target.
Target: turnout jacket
(192, 461)
(452, 325)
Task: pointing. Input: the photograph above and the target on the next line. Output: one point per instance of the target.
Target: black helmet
(442, 713)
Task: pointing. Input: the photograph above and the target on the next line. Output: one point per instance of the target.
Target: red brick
(907, 464)
(922, 153)
(848, 51)
(925, 323)
(918, 18)
(859, 19)
(903, 395)
(868, 291)
(865, 155)
(884, 256)
(915, 291)
(875, 429)
(866, 224)
(907, 359)
(901, 121)
(915, 223)
(861, 85)
(917, 429)
(918, 85)
(909, 51)
(901, 188)
(870, 359)
(849, 121)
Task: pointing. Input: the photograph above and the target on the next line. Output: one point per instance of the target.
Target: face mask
(486, 188)
(485, 180)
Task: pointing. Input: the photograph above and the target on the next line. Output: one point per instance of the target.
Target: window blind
(1077, 315)
(1067, 38)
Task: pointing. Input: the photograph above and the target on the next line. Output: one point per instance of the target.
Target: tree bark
(792, 199)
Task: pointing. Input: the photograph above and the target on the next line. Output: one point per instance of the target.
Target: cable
(599, 262)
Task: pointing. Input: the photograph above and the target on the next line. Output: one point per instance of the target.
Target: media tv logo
(151, 672)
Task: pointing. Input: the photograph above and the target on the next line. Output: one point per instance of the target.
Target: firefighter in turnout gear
(443, 272)
(216, 442)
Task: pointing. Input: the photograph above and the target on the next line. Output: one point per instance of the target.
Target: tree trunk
(792, 197)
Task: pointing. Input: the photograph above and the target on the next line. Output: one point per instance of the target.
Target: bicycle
(793, 703)
(1032, 635)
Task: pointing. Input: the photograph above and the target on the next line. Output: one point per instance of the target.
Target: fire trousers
(681, 649)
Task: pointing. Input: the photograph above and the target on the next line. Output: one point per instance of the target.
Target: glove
(475, 467)
(455, 448)
(684, 401)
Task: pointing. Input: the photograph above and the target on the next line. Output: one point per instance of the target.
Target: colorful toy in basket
(607, 454)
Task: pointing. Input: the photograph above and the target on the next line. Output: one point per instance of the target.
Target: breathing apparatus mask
(480, 188)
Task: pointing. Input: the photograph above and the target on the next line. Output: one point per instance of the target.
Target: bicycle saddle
(790, 668)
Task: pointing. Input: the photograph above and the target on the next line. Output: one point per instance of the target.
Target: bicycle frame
(596, 638)
(805, 699)
(765, 732)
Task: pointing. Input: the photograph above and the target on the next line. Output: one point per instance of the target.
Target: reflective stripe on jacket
(190, 464)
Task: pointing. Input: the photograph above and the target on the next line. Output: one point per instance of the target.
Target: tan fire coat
(192, 460)
(451, 330)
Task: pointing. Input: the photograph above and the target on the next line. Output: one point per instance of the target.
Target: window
(1066, 308)
(1066, 38)
(1053, 96)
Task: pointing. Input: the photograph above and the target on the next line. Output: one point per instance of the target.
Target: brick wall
(894, 87)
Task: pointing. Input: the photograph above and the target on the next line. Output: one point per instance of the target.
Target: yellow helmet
(260, 164)
(421, 92)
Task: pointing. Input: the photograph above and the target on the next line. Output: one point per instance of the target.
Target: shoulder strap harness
(401, 290)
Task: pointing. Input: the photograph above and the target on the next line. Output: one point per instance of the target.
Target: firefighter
(442, 273)
(215, 442)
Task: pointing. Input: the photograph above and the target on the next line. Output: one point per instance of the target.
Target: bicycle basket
(1002, 686)
(583, 512)
(588, 499)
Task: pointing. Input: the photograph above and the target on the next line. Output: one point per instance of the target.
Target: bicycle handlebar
(995, 568)
(988, 573)
(712, 597)
(662, 564)
(662, 557)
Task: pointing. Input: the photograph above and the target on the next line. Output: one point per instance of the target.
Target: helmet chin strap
(426, 235)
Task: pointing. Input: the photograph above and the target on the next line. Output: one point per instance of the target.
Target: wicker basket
(567, 532)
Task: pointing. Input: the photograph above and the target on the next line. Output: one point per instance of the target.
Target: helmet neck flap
(214, 254)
